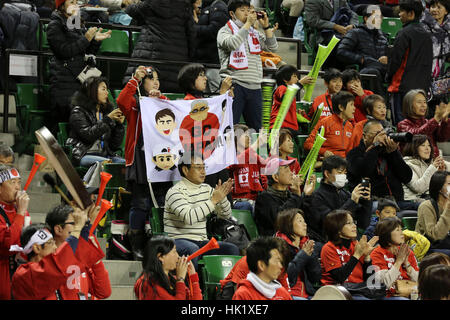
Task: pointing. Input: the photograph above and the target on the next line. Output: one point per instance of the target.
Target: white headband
(40, 237)
(9, 174)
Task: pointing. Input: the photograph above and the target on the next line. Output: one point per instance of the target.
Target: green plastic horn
(322, 55)
(267, 87)
(284, 107)
(316, 117)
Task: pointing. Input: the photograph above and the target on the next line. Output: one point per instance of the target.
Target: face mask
(72, 10)
(374, 21)
(341, 180)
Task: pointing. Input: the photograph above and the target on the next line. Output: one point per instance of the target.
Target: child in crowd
(333, 81)
(352, 83)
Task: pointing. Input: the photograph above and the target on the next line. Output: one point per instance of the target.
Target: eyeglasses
(198, 109)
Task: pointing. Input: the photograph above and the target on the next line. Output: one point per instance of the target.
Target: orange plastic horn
(212, 244)
(38, 159)
(105, 206)
(104, 178)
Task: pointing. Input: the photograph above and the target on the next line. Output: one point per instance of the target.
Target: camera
(399, 136)
(259, 15)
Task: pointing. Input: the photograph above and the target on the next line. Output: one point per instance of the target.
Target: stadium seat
(245, 217)
(33, 95)
(174, 96)
(391, 26)
(117, 44)
(214, 269)
(301, 152)
(156, 221)
(117, 170)
(409, 223)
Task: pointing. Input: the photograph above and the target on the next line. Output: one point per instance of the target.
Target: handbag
(403, 288)
(440, 86)
(228, 230)
(361, 288)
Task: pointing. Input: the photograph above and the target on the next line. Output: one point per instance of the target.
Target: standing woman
(69, 41)
(433, 216)
(164, 273)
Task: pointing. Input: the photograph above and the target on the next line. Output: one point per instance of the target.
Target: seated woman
(304, 269)
(433, 216)
(343, 259)
(418, 155)
(286, 147)
(164, 273)
(96, 129)
(415, 109)
(393, 257)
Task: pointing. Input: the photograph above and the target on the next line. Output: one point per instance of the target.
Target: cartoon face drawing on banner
(165, 122)
(164, 158)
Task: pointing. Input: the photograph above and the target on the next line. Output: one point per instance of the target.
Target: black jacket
(69, 48)
(167, 34)
(387, 171)
(269, 203)
(328, 198)
(85, 129)
(413, 44)
(363, 42)
(213, 17)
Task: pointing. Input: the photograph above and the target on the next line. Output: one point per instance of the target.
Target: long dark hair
(152, 266)
(90, 90)
(187, 76)
(148, 76)
(437, 181)
(411, 148)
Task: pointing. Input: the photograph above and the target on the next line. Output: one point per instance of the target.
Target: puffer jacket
(85, 129)
(167, 34)
(69, 48)
(362, 42)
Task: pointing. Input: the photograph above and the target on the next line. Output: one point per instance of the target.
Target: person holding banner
(13, 214)
(189, 202)
(164, 273)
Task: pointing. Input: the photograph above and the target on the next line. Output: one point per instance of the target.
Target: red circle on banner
(14, 172)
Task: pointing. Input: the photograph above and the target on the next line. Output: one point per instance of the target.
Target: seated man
(265, 262)
(332, 79)
(378, 158)
(13, 217)
(93, 278)
(351, 81)
(284, 192)
(338, 127)
(189, 202)
(331, 195)
(366, 46)
(6, 154)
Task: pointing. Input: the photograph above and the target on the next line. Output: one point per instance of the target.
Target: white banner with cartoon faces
(172, 128)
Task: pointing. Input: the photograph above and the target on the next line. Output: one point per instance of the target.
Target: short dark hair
(411, 149)
(432, 259)
(284, 222)
(187, 76)
(369, 102)
(6, 151)
(235, 4)
(285, 73)
(341, 99)
(57, 216)
(333, 162)
(333, 224)
(259, 250)
(384, 202)
(187, 159)
(349, 75)
(412, 5)
(28, 232)
(284, 133)
(437, 181)
(434, 282)
(384, 228)
(445, 3)
(331, 74)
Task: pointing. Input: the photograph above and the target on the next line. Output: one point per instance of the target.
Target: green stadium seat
(391, 26)
(117, 44)
(156, 221)
(301, 152)
(117, 92)
(174, 96)
(135, 37)
(214, 269)
(117, 170)
(245, 217)
(409, 223)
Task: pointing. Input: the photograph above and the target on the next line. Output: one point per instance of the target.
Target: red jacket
(246, 291)
(127, 104)
(290, 121)
(144, 291)
(8, 237)
(429, 127)
(358, 133)
(360, 113)
(338, 135)
(327, 106)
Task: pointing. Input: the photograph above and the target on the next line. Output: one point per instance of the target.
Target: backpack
(229, 230)
(119, 247)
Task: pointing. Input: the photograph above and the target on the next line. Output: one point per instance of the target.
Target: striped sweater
(227, 42)
(186, 208)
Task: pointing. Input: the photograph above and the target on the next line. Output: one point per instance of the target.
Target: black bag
(119, 247)
(364, 290)
(227, 292)
(229, 230)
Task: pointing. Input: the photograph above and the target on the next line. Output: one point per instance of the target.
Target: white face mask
(374, 21)
(73, 10)
(341, 180)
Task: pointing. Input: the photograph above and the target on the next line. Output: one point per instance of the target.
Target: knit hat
(59, 2)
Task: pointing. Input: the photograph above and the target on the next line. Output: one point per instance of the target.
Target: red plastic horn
(38, 159)
(104, 178)
(105, 206)
(212, 244)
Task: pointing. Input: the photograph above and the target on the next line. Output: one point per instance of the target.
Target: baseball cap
(273, 164)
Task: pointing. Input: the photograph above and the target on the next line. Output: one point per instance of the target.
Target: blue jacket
(370, 231)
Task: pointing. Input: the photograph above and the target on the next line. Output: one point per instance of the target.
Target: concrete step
(123, 273)
(7, 138)
(38, 217)
(43, 202)
(37, 184)
(122, 293)
(445, 147)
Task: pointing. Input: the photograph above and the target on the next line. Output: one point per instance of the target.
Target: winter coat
(69, 48)
(421, 177)
(440, 35)
(362, 42)
(411, 58)
(85, 129)
(213, 17)
(167, 34)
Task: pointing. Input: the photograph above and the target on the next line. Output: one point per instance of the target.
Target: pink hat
(273, 165)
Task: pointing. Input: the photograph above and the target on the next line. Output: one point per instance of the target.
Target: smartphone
(366, 184)
(259, 15)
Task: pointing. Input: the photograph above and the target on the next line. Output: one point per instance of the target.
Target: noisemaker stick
(38, 159)
(267, 87)
(105, 206)
(212, 244)
(104, 178)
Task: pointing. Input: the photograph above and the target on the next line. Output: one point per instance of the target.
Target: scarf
(238, 57)
(266, 289)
